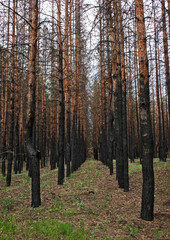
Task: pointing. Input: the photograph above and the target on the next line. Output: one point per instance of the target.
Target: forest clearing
(89, 205)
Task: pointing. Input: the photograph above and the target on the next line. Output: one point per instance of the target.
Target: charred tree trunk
(17, 142)
(53, 151)
(165, 44)
(30, 123)
(62, 103)
(147, 207)
(67, 79)
(4, 143)
(160, 146)
(124, 105)
(11, 111)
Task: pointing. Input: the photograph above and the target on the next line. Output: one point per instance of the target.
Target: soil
(91, 198)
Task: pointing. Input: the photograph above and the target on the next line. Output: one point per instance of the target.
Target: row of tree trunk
(54, 123)
(128, 127)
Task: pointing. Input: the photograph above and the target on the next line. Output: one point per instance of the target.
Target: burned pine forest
(84, 99)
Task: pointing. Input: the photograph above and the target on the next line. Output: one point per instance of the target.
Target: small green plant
(120, 218)
(25, 181)
(131, 230)
(107, 199)
(58, 204)
(79, 184)
(158, 234)
(97, 173)
(91, 211)
(72, 175)
(44, 185)
(7, 203)
(104, 227)
(80, 204)
(69, 212)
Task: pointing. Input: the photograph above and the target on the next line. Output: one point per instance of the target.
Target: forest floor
(89, 205)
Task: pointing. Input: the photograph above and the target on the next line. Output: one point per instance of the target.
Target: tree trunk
(165, 44)
(11, 111)
(117, 78)
(160, 147)
(2, 103)
(53, 133)
(124, 105)
(5, 133)
(62, 103)
(17, 143)
(30, 122)
(147, 207)
(67, 79)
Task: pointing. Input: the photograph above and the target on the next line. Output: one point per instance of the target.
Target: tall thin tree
(147, 207)
(30, 121)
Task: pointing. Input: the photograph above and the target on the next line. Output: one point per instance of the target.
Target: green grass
(42, 229)
(120, 218)
(26, 180)
(58, 205)
(69, 212)
(8, 228)
(79, 184)
(131, 230)
(7, 203)
(137, 167)
(134, 168)
(53, 229)
(80, 204)
(159, 234)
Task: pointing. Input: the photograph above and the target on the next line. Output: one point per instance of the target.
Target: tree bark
(11, 111)
(6, 104)
(30, 122)
(147, 207)
(67, 79)
(165, 44)
(62, 103)
(124, 104)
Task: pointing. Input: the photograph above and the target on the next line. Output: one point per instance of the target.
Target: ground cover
(89, 206)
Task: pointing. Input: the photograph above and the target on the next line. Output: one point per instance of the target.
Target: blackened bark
(131, 143)
(11, 137)
(35, 169)
(147, 154)
(120, 138)
(21, 156)
(125, 145)
(61, 133)
(43, 148)
(11, 111)
(84, 146)
(53, 154)
(62, 102)
(31, 101)
(145, 119)
(17, 148)
(78, 146)
(95, 153)
(68, 158)
(73, 146)
(164, 147)
(3, 159)
(110, 143)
